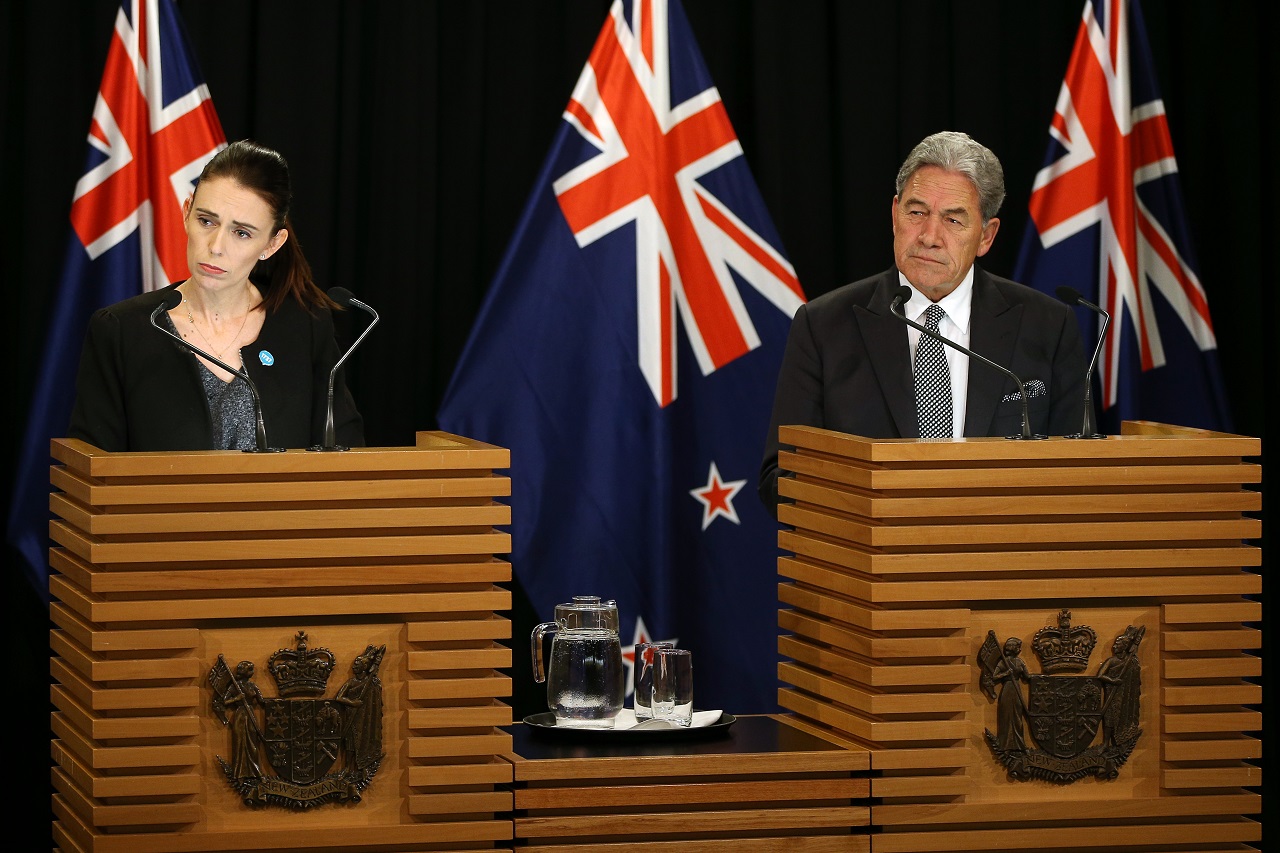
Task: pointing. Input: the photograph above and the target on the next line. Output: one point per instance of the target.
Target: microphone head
(172, 299)
(342, 296)
(902, 295)
(1069, 295)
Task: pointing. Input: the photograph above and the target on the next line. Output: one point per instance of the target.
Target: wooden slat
(1143, 440)
(362, 518)
(102, 786)
(869, 701)
(1075, 837)
(707, 791)
(1003, 562)
(270, 548)
(875, 533)
(460, 716)
(496, 742)
(97, 668)
(112, 698)
(1141, 473)
(873, 673)
(490, 771)
(870, 645)
(880, 732)
(97, 814)
(657, 823)
(477, 686)
(987, 505)
(1236, 666)
(861, 614)
(121, 728)
(232, 491)
(1235, 776)
(1237, 748)
(1063, 810)
(1195, 641)
(121, 757)
(843, 843)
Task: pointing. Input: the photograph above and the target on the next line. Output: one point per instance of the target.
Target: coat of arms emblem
(321, 749)
(1063, 714)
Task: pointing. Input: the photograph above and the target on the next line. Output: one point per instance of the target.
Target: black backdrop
(415, 128)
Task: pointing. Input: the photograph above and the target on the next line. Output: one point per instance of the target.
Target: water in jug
(584, 679)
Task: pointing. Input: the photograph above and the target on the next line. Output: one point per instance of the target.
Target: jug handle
(535, 639)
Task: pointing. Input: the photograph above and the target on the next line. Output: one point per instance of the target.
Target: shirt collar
(958, 303)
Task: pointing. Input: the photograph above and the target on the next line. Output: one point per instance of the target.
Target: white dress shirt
(954, 327)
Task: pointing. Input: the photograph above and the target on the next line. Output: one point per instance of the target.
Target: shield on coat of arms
(302, 737)
(1064, 712)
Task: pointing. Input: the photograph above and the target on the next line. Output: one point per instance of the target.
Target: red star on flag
(717, 496)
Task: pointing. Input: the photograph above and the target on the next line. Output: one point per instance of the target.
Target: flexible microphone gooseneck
(903, 295)
(1072, 297)
(345, 298)
(173, 299)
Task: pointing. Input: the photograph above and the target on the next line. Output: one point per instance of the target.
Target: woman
(250, 302)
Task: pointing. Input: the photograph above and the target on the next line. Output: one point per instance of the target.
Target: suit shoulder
(846, 296)
(1025, 294)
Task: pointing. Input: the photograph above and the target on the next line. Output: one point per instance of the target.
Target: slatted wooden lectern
(165, 561)
(901, 556)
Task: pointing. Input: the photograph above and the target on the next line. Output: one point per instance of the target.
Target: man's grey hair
(958, 152)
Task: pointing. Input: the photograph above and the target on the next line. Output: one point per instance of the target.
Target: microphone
(903, 295)
(171, 300)
(345, 298)
(1072, 297)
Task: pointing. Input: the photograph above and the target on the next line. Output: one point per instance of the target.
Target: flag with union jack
(1107, 219)
(153, 129)
(627, 353)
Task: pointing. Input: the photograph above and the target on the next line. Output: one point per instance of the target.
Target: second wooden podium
(941, 604)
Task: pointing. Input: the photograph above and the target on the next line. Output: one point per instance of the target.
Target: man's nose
(931, 231)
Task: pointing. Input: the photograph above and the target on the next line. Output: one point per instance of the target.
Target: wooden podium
(901, 555)
(163, 562)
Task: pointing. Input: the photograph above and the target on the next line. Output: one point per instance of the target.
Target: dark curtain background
(415, 129)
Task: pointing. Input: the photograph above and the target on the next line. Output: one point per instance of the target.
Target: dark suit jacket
(847, 366)
(137, 389)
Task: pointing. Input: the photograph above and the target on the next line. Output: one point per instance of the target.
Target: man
(849, 361)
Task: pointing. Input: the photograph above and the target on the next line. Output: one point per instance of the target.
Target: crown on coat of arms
(301, 672)
(1064, 648)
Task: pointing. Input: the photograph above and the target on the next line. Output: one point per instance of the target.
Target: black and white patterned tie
(933, 380)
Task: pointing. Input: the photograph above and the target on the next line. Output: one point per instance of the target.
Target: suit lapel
(885, 338)
(993, 332)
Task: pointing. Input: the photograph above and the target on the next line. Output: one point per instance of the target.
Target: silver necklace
(217, 352)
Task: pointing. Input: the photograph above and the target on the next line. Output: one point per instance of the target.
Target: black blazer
(137, 389)
(847, 366)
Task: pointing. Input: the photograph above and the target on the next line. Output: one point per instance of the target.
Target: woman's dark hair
(266, 173)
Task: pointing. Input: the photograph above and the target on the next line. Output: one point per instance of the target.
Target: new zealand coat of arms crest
(320, 749)
(1063, 713)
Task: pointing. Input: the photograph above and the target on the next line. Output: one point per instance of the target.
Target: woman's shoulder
(135, 306)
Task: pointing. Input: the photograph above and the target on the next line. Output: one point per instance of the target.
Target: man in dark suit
(849, 361)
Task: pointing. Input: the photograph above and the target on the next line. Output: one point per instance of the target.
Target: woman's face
(229, 229)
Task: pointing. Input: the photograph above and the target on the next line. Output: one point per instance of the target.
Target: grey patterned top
(230, 407)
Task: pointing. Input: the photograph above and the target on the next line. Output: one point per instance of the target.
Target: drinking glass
(642, 678)
(673, 685)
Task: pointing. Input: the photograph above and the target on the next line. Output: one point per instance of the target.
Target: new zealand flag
(627, 353)
(1107, 220)
(153, 130)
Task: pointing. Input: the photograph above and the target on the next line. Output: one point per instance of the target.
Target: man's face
(938, 230)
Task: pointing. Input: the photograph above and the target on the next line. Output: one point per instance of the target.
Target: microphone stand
(344, 298)
(171, 301)
(1071, 296)
(904, 293)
